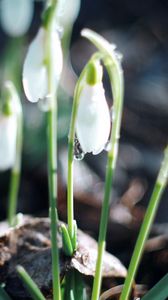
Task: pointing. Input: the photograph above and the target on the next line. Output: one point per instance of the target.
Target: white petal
(8, 131)
(67, 12)
(93, 119)
(56, 55)
(16, 16)
(34, 71)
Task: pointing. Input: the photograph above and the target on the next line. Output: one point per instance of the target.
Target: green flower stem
(146, 226)
(30, 284)
(71, 137)
(16, 170)
(114, 69)
(52, 157)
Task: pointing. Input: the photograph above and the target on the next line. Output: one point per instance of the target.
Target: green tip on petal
(7, 107)
(10, 99)
(94, 73)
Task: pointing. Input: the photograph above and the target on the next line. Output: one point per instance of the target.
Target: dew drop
(78, 152)
(79, 156)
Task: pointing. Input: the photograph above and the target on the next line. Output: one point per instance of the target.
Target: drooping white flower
(67, 12)
(8, 132)
(16, 16)
(35, 80)
(93, 118)
(10, 111)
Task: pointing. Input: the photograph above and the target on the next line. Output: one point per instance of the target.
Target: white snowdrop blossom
(93, 118)
(35, 80)
(16, 16)
(10, 111)
(8, 132)
(67, 12)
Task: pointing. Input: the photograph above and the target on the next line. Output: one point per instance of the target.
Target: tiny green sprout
(66, 240)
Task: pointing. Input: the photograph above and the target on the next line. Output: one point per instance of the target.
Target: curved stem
(146, 226)
(115, 73)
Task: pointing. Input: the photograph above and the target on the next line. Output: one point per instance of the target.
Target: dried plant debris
(29, 245)
(115, 292)
(84, 259)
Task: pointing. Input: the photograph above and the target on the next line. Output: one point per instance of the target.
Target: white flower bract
(67, 12)
(16, 16)
(93, 119)
(35, 79)
(8, 132)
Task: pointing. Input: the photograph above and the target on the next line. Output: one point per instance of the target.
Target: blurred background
(140, 31)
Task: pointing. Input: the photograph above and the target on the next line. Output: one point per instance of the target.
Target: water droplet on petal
(79, 156)
(78, 152)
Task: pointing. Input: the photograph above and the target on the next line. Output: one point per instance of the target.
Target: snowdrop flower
(67, 12)
(93, 117)
(8, 127)
(16, 16)
(35, 80)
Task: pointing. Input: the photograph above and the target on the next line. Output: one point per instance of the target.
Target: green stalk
(146, 226)
(71, 137)
(30, 285)
(15, 174)
(113, 67)
(52, 157)
(3, 294)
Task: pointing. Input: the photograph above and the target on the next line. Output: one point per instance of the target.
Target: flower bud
(93, 117)
(8, 126)
(35, 79)
(16, 16)
(67, 12)
(8, 131)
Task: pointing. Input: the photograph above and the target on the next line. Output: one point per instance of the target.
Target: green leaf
(74, 286)
(30, 285)
(67, 245)
(79, 287)
(74, 238)
(3, 294)
(159, 291)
